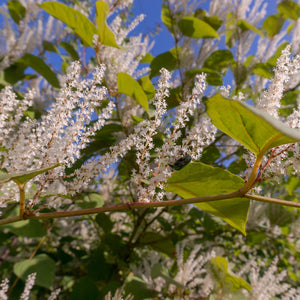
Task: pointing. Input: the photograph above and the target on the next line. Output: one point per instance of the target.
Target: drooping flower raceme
(62, 131)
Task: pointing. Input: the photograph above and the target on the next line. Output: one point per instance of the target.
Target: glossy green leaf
(225, 278)
(198, 180)
(27, 228)
(130, 87)
(254, 128)
(105, 34)
(273, 24)
(167, 60)
(244, 25)
(81, 25)
(147, 86)
(38, 64)
(289, 9)
(16, 10)
(43, 265)
(23, 177)
(195, 28)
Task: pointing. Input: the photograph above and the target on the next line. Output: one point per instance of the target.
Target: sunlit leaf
(198, 180)
(147, 86)
(81, 25)
(130, 87)
(255, 129)
(193, 27)
(244, 25)
(225, 279)
(273, 24)
(105, 34)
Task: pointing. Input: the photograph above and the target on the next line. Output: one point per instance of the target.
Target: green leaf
(27, 228)
(273, 59)
(273, 24)
(147, 58)
(48, 46)
(254, 128)
(43, 265)
(104, 221)
(14, 73)
(24, 176)
(219, 60)
(147, 86)
(226, 280)
(158, 242)
(85, 288)
(138, 288)
(289, 9)
(198, 180)
(130, 87)
(91, 200)
(174, 97)
(244, 25)
(38, 64)
(212, 77)
(167, 60)
(71, 50)
(81, 25)
(16, 10)
(195, 28)
(165, 15)
(105, 34)
(264, 70)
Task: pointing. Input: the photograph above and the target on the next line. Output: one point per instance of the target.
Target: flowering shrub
(125, 175)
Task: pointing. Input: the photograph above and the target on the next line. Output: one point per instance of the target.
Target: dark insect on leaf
(181, 162)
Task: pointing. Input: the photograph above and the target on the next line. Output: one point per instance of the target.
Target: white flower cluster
(61, 133)
(285, 158)
(27, 289)
(203, 133)
(271, 284)
(192, 272)
(270, 100)
(28, 35)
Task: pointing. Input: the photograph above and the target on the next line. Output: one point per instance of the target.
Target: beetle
(181, 162)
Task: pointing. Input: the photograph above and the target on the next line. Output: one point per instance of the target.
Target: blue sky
(164, 40)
